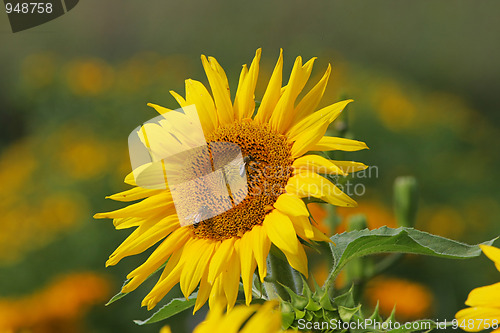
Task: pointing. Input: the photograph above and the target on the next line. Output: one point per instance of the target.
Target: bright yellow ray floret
(264, 318)
(484, 302)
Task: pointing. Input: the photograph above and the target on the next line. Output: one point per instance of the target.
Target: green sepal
(376, 314)
(312, 305)
(329, 315)
(347, 299)
(326, 303)
(306, 291)
(392, 317)
(298, 302)
(309, 316)
(287, 315)
(346, 314)
(299, 314)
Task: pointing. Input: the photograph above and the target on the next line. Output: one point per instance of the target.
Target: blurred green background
(424, 76)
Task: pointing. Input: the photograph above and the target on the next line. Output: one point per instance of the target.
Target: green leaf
(175, 306)
(119, 295)
(356, 244)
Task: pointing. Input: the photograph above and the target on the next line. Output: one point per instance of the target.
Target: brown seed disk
(268, 168)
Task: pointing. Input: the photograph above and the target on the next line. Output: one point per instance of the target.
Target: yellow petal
(217, 300)
(485, 296)
(319, 236)
(231, 277)
(349, 167)
(318, 164)
(267, 319)
(291, 204)
(140, 209)
(280, 231)
(272, 94)
(169, 246)
(220, 89)
(260, 246)
(196, 259)
(303, 227)
(203, 291)
(239, 90)
(169, 278)
(244, 102)
(234, 320)
(493, 253)
(197, 94)
(297, 260)
(178, 98)
(128, 222)
(284, 112)
(479, 316)
(165, 329)
(309, 184)
(310, 101)
(334, 143)
(147, 235)
(133, 194)
(163, 287)
(158, 108)
(130, 179)
(308, 139)
(317, 119)
(248, 265)
(220, 258)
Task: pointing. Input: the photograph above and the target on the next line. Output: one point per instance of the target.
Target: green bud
(405, 200)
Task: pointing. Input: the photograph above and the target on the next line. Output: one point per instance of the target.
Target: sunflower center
(267, 166)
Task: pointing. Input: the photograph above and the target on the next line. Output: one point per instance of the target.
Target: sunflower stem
(281, 275)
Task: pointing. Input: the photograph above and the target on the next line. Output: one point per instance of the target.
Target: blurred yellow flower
(83, 158)
(396, 111)
(377, 215)
(265, 318)
(17, 164)
(214, 253)
(59, 307)
(29, 219)
(88, 77)
(484, 302)
(27, 226)
(411, 299)
(442, 221)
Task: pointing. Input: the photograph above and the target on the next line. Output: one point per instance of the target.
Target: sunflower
(215, 253)
(265, 318)
(484, 302)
